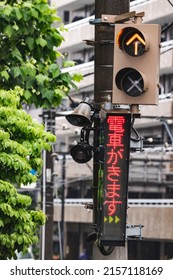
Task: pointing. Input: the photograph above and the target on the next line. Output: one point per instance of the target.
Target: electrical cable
(137, 135)
(167, 27)
(137, 138)
(170, 3)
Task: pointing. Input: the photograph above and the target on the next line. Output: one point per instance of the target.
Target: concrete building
(151, 171)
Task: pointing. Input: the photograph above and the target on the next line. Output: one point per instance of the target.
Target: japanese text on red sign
(114, 156)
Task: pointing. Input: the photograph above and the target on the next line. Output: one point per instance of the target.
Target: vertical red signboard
(115, 179)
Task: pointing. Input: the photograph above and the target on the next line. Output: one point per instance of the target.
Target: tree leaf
(77, 77)
(27, 4)
(34, 13)
(17, 13)
(30, 42)
(19, 239)
(41, 78)
(49, 94)
(5, 75)
(59, 92)
(7, 10)
(27, 94)
(40, 41)
(55, 70)
(17, 72)
(68, 63)
(16, 53)
(15, 26)
(1, 223)
(9, 31)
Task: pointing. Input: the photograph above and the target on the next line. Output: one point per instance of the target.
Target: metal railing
(131, 202)
(136, 3)
(150, 202)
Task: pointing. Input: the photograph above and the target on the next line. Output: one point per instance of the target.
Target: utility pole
(47, 192)
(49, 209)
(104, 33)
(104, 50)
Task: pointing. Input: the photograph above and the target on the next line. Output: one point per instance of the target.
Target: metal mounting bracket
(120, 18)
(134, 231)
(112, 19)
(95, 21)
(101, 42)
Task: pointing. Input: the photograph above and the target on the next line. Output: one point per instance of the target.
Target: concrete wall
(157, 221)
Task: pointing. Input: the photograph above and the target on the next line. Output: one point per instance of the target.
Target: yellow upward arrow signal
(136, 43)
(133, 38)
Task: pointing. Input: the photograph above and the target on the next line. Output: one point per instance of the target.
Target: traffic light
(136, 64)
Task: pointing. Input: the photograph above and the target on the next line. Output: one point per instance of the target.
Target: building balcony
(166, 57)
(154, 214)
(156, 11)
(87, 71)
(164, 108)
(70, 4)
(77, 33)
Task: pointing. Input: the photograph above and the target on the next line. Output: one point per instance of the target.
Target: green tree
(21, 143)
(29, 73)
(28, 47)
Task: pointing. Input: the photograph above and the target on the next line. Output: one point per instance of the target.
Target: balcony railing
(79, 23)
(137, 3)
(131, 202)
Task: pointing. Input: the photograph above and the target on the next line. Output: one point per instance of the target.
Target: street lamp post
(44, 195)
